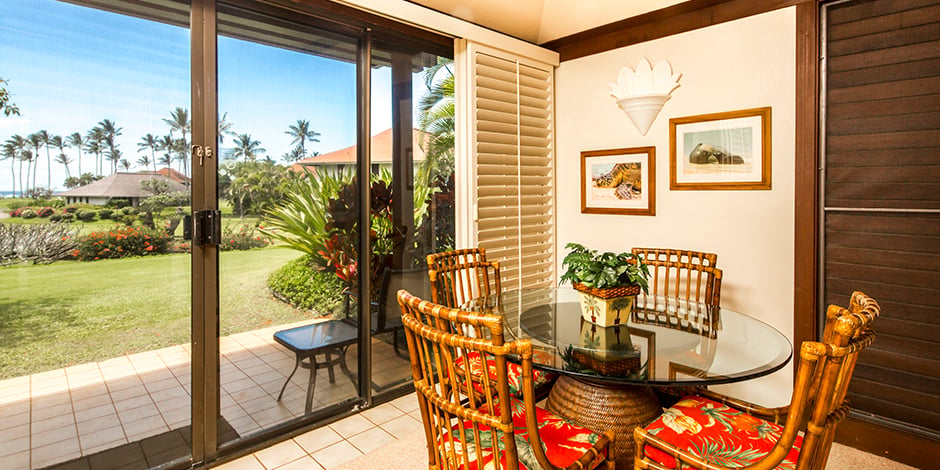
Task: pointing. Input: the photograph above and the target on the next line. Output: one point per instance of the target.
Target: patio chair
(465, 429)
(459, 276)
(385, 311)
(712, 431)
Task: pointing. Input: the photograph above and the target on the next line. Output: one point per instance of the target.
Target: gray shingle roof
(121, 185)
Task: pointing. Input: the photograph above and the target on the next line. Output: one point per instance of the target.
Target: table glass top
(661, 342)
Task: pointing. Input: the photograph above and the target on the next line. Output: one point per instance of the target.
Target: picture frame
(619, 181)
(728, 150)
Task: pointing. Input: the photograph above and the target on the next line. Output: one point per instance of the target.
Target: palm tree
(18, 144)
(247, 148)
(26, 155)
(57, 142)
(301, 132)
(295, 154)
(64, 160)
(124, 164)
(111, 131)
(148, 141)
(47, 141)
(114, 156)
(165, 144)
(37, 141)
(76, 140)
(179, 121)
(146, 161)
(11, 152)
(436, 118)
(225, 128)
(95, 143)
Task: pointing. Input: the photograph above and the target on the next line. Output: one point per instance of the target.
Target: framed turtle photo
(729, 150)
(619, 181)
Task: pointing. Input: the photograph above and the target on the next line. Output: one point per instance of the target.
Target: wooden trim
(685, 16)
(888, 442)
(806, 184)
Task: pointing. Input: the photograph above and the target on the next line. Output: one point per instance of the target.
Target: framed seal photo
(728, 150)
(619, 181)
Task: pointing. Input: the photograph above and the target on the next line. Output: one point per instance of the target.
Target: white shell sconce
(642, 93)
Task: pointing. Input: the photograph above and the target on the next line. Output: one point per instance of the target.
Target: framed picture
(720, 151)
(619, 181)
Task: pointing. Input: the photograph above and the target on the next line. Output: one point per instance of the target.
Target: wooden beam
(686, 16)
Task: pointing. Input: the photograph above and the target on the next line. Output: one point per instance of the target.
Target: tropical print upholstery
(717, 433)
(514, 376)
(563, 441)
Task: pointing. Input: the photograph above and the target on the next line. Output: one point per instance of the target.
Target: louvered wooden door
(510, 119)
(882, 198)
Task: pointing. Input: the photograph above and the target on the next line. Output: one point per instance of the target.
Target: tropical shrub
(69, 209)
(105, 214)
(303, 284)
(27, 213)
(121, 242)
(19, 210)
(44, 211)
(38, 244)
(244, 237)
(85, 215)
(319, 216)
(65, 218)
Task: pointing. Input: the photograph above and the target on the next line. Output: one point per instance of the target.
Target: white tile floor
(63, 414)
(331, 446)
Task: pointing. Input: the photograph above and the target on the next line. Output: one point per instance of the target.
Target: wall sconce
(642, 93)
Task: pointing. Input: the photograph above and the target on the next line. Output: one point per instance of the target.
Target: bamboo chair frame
(437, 336)
(690, 276)
(818, 402)
(459, 276)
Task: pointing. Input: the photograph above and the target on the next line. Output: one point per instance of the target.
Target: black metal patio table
(329, 338)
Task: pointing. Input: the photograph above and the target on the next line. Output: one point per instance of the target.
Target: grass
(72, 312)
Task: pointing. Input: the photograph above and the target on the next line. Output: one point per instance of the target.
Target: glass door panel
(95, 314)
(412, 179)
(287, 134)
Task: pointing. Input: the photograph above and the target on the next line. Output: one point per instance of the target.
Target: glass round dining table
(607, 374)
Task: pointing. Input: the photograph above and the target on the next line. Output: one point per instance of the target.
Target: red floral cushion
(514, 375)
(564, 442)
(717, 433)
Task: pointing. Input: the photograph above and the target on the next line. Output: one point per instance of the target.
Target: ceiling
(539, 21)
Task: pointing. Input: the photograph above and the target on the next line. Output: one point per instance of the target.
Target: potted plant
(608, 282)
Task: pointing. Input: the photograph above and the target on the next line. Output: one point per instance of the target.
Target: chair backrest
(459, 276)
(458, 421)
(691, 277)
(819, 391)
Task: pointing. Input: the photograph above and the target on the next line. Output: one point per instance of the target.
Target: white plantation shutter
(509, 145)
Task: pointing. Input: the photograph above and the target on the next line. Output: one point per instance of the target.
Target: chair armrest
(776, 415)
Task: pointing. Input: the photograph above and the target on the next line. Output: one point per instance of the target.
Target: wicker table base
(601, 407)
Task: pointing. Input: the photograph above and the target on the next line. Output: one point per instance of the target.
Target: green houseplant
(608, 282)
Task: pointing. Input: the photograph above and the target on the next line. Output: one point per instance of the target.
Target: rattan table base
(601, 407)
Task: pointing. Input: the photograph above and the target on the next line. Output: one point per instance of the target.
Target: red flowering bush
(44, 211)
(121, 242)
(245, 237)
(18, 212)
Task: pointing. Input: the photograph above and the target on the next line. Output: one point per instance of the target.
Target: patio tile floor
(63, 414)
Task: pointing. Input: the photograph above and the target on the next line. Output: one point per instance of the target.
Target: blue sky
(69, 67)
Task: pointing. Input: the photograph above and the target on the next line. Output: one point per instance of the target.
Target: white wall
(747, 63)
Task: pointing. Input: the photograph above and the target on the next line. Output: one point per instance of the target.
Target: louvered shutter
(510, 147)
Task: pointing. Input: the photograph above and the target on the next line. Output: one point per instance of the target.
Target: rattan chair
(680, 278)
(712, 431)
(459, 423)
(459, 276)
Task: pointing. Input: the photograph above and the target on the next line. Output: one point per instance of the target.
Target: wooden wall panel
(882, 200)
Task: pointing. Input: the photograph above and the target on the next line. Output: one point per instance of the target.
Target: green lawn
(73, 312)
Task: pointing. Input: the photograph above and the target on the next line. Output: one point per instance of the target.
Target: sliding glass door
(223, 198)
